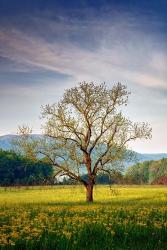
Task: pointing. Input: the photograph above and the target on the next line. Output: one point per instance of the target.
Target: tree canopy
(86, 132)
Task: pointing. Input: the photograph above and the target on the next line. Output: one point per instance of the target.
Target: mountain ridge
(6, 144)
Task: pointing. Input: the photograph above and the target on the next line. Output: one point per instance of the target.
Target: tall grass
(58, 218)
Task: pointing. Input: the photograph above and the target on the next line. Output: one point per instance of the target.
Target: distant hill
(150, 157)
(6, 144)
(147, 157)
(6, 141)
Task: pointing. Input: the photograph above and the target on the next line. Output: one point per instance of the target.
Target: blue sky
(48, 46)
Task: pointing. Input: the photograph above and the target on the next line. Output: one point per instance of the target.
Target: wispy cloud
(42, 55)
(121, 52)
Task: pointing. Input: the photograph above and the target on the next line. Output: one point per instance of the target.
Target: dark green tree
(18, 170)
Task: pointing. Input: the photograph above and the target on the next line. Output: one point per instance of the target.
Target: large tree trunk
(89, 192)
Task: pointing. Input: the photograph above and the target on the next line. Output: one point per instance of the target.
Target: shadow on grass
(142, 202)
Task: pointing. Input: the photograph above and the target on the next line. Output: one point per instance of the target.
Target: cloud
(119, 47)
(122, 52)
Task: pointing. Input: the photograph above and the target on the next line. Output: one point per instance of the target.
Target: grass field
(124, 217)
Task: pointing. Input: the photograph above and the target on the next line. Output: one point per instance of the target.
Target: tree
(25, 144)
(148, 172)
(138, 173)
(86, 132)
(18, 170)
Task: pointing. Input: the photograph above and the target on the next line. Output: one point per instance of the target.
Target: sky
(47, 46)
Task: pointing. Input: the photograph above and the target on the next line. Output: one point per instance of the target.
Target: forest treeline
(148, 172)
(16, 169)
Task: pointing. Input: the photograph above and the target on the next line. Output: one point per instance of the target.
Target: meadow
(121, 217)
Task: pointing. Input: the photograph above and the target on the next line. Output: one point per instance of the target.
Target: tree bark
(89, 192)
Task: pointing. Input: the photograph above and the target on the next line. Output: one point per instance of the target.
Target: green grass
(124, 217)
